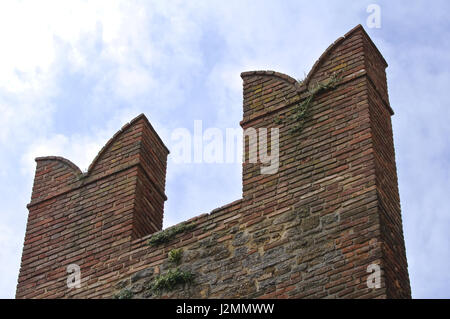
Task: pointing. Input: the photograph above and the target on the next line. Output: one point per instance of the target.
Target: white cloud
(10, 253)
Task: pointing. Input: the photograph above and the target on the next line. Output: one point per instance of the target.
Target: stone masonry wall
(308, 231)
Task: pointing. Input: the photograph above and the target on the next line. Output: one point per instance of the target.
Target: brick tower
(312, 229)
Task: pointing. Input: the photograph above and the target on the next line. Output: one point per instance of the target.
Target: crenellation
(311, 229)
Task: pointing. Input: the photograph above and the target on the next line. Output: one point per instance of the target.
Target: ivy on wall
(167, 235)
(303, 109)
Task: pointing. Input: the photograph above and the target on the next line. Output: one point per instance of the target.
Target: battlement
(312, 229)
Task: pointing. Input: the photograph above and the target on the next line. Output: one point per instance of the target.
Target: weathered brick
(308, 231)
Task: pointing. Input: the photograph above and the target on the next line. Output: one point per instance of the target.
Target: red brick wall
(89, 218)
(308, 231)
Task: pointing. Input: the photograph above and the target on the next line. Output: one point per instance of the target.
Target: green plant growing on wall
(124, 294)
(302, 110)
(175, 256)
(277, 120)
(300, 81)
(168, 234)
(171, 280)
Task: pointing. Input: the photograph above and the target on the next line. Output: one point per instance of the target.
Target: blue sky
(71, 76)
